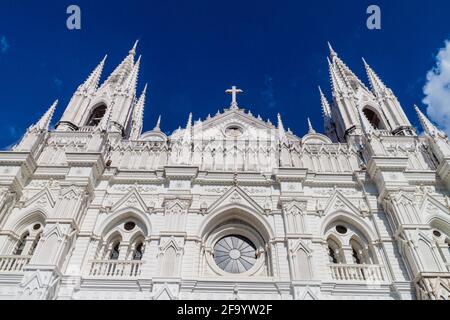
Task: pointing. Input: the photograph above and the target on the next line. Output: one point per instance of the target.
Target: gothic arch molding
(113, 219)
(351, 219)
(26, 218)
(240, 212)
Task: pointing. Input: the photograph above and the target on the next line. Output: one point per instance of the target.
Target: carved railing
(115, 268)
(86, 129)
(385, 133)
(357, 272)
(13, 263)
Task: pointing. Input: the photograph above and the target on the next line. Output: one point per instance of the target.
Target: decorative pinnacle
(325, 105)
(428, 127)
(310, 127)
(332, 52)
(133, 50)
(158, 124)
(44, 122)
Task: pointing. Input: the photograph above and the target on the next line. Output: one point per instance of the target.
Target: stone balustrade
(357, 272)
(115, 268)
(13, 263)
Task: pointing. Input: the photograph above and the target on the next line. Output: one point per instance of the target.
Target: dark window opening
(356, 258)
(373, 119)
(115, 252)
(332, 255)
(137, 255)
(97, 115)
(21, 245)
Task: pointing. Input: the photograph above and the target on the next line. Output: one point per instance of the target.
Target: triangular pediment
(216, 127)
(308, 295)
(164, 293)
(238, 197)
(338, 202)
(432, 206)
(131, 200)
(42, 198)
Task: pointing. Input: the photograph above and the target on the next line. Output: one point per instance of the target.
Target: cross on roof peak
(234, 91)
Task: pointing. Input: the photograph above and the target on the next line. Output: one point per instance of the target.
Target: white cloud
(437, 89)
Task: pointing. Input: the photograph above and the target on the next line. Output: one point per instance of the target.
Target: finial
(133, 50)
(158, 124)
(310, 127)
(365, 62)
(332, 52)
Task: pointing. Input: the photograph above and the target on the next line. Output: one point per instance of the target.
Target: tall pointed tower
(350, 96)
(115, 98)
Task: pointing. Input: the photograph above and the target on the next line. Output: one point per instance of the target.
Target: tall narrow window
(355, 256)
(332, 255)
(115, 251)
(21, 244)
(138, 252)
(35, 243)
(97, 115)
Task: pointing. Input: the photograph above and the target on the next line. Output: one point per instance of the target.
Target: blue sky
(193, 50)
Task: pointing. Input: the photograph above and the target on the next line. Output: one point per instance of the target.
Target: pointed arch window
(96, 115)
(35, 243)
(21, 244)
(114, 255)
(334, 252)
(138, 252)
(373, 118)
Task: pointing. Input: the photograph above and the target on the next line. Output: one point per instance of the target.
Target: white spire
(378, 87)
(158, 124)
(133, 50)
(342, 73)
(281, 131)
(91, 83)
(332, 52)
(325, 105)
(44, 121)
(427, 126)
(337, 83)
(122, 71)
(138, 116)
(187, 138)
(310, 127)
(132, 80)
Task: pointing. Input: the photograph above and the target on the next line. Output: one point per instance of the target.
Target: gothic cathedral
(230, 206)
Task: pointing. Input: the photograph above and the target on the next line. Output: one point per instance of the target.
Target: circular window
(37, 226)
(129, 225)
(234, 131)
(437, 233)
(341, 229)
(235, 254)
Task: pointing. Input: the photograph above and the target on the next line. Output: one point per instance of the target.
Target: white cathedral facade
(228, 207)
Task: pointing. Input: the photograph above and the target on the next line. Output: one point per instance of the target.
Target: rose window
(235, 254)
